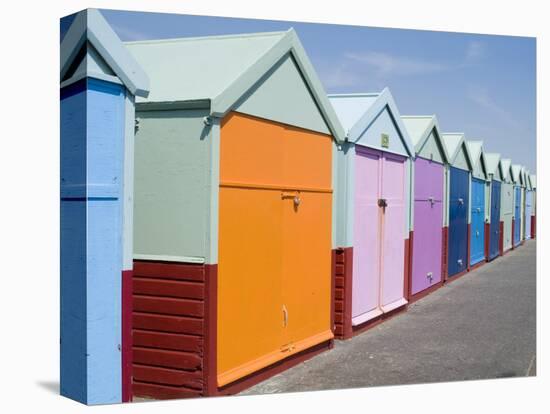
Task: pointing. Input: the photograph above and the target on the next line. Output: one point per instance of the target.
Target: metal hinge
(136, 125)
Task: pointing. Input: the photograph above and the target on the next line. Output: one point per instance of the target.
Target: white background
(29, 203)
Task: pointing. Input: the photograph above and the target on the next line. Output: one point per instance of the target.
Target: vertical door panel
(306, 266)
(458, 221)
(393, 229)
(307, 160)
(251, 151)
(426, 269)
(428, 219)
(494, 227)
(366, 260)
(528, 212)
(428, 180)
(477, 236)
(250, 319)
(507, 212)
(517, 216)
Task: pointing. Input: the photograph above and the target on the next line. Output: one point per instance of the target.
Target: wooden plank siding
(168, 330)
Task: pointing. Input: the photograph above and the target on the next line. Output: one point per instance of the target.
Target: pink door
(366, 248)
(379, 229)
(393, 232)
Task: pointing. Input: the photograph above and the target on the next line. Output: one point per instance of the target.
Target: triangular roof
(221, 69)
(356, 112)
(420, 127)
(527, 179)
(492, 162)
(516, 174)
(476, 152)
(90, 26)
(453, 142)
(506, 164)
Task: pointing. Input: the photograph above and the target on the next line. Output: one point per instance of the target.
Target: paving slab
(481, 326)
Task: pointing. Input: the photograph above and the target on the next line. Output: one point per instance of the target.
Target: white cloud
(475, 51)
(480, 96)
(339, 76)
(385, 64)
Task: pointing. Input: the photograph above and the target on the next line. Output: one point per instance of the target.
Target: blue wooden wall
(494, 227)
(477, 235)
(92, 137)
(458, 221)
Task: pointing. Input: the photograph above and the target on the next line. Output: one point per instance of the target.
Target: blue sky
(482, 85)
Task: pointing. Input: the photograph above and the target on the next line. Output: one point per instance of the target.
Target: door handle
(285, 316)
(382, 202)
(295, 197)
(431, 200)
(460, 201)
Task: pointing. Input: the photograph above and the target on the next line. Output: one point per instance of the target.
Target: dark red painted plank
(175, 324)
(179, 271)
(339, 294)
(340, 269)
(168, 376)
(162, 392)
(169, 306)
(339, 306)
(168, 341)
(154, 287)
(210, 331)
(339, 281)
(126, 332)
(168, 359)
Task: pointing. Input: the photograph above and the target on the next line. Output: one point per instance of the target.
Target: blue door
(458, 221)
(517, 216)
(477, 234)
(494, 227)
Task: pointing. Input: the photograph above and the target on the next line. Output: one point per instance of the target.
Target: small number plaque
(385, 141)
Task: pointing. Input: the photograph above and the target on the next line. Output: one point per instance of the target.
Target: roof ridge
(352, 95)
(207, 37)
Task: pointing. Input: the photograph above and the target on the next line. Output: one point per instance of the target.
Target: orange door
(274, 255)
(306, 269)
(249, 284)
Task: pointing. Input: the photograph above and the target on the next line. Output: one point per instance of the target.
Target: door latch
(285, 316)
(459, 261)
(295, 197)
(382, 202)
(460, 201)
(431, 200)
(430, 277)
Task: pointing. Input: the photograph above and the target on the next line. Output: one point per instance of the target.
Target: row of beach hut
(223, 218)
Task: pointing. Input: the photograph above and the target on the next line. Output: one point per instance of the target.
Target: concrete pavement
(478, 327)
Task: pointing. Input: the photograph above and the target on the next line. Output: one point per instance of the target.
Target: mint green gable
(431, 149)
(479, 170)
(283, 96)
(383, 123)
(172, 191)
(461, 160)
